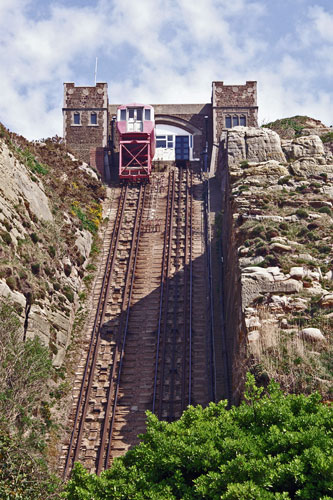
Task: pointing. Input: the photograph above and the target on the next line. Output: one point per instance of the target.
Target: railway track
(148, 348)
(173, 364)
(92, 434)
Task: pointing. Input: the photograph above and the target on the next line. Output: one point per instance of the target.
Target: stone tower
(85, 118)
(233, 105)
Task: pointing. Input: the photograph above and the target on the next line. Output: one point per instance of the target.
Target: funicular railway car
(136, 129)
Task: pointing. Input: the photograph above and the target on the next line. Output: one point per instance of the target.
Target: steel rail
(99, 464)
(161, 293)
(138, 222)
(175, 299)
(191, 296)
(166, 297)
(95, 332)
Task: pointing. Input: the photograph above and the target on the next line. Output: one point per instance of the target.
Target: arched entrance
(176, 139)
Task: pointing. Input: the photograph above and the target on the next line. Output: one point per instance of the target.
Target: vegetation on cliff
(270, 447)
(294, 126)
(25, 419)
(31, 262)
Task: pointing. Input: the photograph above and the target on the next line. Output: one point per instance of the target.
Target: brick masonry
(205, 121)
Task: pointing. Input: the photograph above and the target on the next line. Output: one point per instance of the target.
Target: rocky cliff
(50, 209)
(277, 240)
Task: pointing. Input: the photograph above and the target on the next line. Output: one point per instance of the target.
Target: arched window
(235, 121)
(242, 121)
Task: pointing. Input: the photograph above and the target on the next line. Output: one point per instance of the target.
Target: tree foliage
(272, 446)
(25, 369)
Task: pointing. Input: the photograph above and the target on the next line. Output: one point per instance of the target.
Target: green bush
(284, 180)
(35, 268)
(325, 210)
(25, 368)
(272, 446)
(52, 251)
(6, 237)
(302, 213)
(34, 237)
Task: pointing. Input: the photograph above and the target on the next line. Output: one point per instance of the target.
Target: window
(242, 121)
(228, 121)
(170, 141)
(123, 115)
(93, 118)
(161, 141)
(139, 115)
(131, 113)
(235, 121)
(147, 114)
(77, 119)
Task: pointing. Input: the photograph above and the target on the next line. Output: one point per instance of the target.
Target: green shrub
(272, 446)
(302, 213)
(244, 164)
(52, 251)
(325, 210)
(35, 268)
(6, 237)
(324, 249)
(34, 237)
(11, 282)
(327, 137)
(284, 226)
(284, 180)
(69, 294)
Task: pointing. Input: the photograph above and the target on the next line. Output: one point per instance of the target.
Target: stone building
(88, 118)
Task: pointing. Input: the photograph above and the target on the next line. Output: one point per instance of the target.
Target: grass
(298, 365)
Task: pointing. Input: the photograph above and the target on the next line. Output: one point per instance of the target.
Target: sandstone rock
(299, 147)
(250, 261)
(327, 300)
(268, 168)
(253, 323)
(253, 336)
(298, 304)
(84, 242)
(16, 297)
(312, 334)
(16, 183)
(252, 144)
(280, 248)
(297, 273)
(320, 203)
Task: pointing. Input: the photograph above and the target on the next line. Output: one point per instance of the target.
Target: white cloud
(157, 51)
(323, 22)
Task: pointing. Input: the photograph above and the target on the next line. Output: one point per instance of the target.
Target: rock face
(252, 144)
(42, 249)
(277, 220)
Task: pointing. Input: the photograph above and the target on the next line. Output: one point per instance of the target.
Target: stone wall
(80, 138)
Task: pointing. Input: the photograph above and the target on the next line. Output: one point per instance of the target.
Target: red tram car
(136, 129)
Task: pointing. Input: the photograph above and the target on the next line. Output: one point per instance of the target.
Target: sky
(163, 51)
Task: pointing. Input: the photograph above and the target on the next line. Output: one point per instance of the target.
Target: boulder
(299, 147)
(312, 334)
(327, 300)
(253, 336)
(280, 247)
(297, 273)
